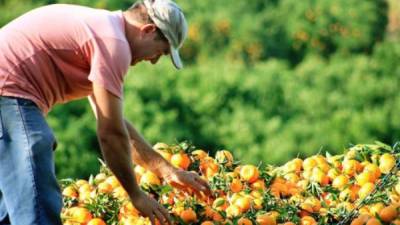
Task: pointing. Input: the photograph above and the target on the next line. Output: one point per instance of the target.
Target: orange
(231, 175)
(188, 215)
(388, 213)
(309, 163)
(351, 167)
(348, 195)
(227, 222)
(340, 182)
(307, 207)
(100, 178)
(96, 221)
(295, 165)
(320, 159)
(258, 203)
(386, 163)
(220, 204)
(127, 209)
(364, 210)
(292, 177)
(314, 202)
(265, 219)
(289, 223)
(360, 220)
(199, 154)
(180, 160)
(397, 188)
(365, 190)
(365, 177)
(224, 157)
(351, 154)
(346, 205)
(113, 181)
(256, 194)
(332, 173)
(85, 188)
(120, 193)
(354, 189)
(302, 184)
(217, 217)
(207, 223)
(324, 167)
(249, 173)
(304, 213)
(374, 169)
(161, 146)
(236, 185)
(68, 222)
(149, 179)
(282, 188)
(244, 221)
(208, 211)
(258, 185)
(209, 168)
(104, 187)
(166, 155)
(373, 221)
(70, 191)
(85, 196)
(233, 211)
(319, 176)
(376, 208)
(80, 214)
(335, 161)
(243, 203)
(307, 220)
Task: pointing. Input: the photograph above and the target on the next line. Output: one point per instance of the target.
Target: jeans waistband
(6, 100)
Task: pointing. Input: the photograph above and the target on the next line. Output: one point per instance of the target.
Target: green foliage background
(269, 80)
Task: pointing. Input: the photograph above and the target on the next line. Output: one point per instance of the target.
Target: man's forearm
(144, 155)
(116, 152)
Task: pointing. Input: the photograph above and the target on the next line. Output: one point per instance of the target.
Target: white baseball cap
(169, 18)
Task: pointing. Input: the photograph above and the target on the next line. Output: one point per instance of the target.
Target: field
(360, 186)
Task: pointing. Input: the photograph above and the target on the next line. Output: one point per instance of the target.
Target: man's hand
(186, 180)
(151, 208)
(144, 155)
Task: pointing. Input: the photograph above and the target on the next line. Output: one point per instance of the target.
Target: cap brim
(176, 59)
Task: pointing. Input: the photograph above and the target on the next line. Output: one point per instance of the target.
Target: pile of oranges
(360, 186)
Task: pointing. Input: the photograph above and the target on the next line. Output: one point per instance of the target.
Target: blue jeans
(29, 192)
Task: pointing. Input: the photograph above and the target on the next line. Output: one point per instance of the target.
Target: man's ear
(148, 28)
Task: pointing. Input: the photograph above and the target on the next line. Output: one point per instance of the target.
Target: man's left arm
(144, 155)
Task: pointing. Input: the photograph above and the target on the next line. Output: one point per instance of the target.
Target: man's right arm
(115, 146)
(113, 137)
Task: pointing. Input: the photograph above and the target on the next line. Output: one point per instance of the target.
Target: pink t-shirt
(53, 54)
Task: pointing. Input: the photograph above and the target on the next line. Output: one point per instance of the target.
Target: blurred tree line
(269, 80)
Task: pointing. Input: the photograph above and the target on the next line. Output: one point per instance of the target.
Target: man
(58, 53)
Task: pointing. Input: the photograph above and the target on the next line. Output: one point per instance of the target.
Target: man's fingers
(190, 180)
(166, 215)
(200, 185)
(159, 216)
(177, 185)
(151, 217)
(204, 185)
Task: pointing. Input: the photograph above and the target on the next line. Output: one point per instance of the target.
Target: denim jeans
(29, 192)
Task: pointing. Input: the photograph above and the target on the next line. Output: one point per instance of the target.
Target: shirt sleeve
(110, 59)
